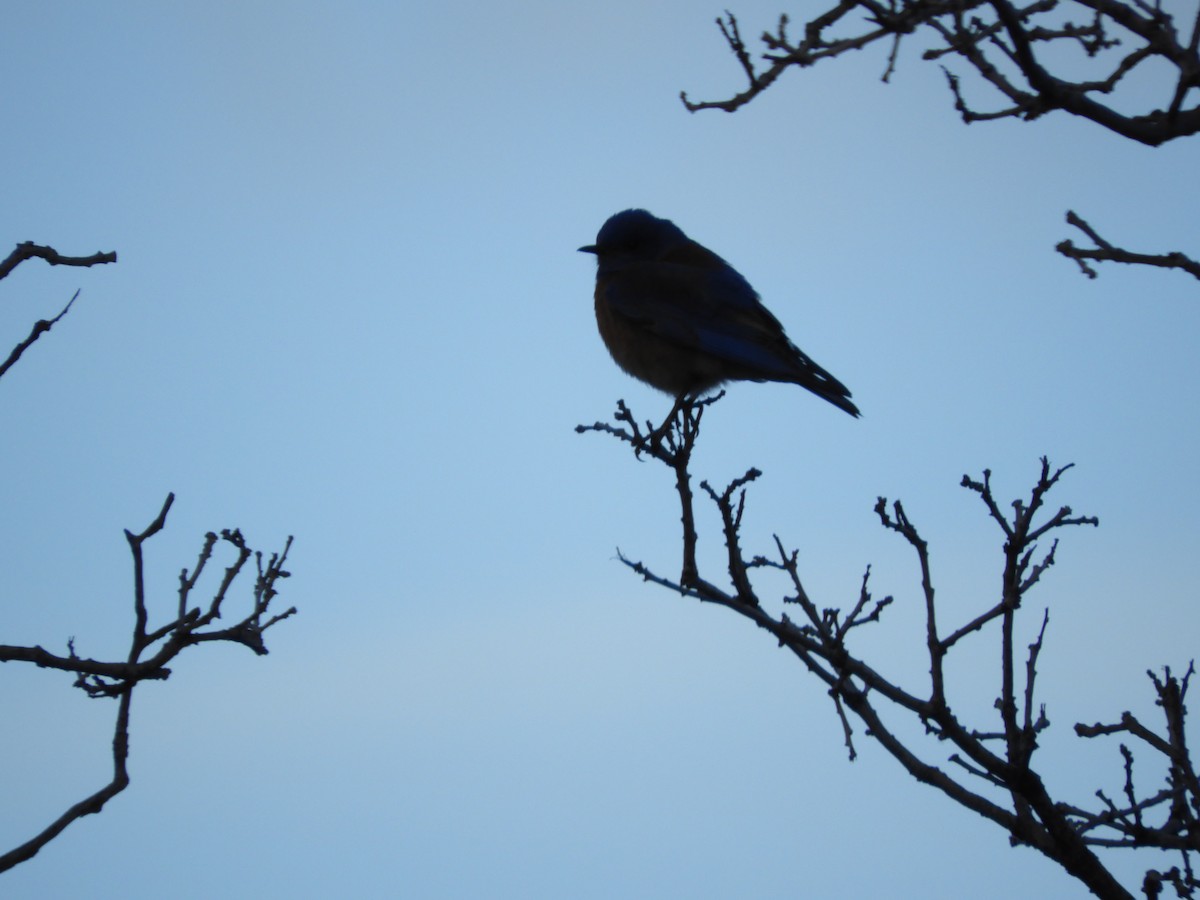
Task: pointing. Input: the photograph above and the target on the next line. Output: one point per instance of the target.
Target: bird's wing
(694, 299)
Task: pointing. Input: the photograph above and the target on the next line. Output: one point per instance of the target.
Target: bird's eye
(638, 245)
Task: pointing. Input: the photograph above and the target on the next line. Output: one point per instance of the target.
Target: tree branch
(89, 805)
(1011, 48)
(1106, 252)
(996, 757)
(965, 30)
(30, 250)
(118, 679)
(40, 327)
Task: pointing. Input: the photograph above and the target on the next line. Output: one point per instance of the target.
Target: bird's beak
(590, 248)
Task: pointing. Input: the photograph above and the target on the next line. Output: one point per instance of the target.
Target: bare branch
(1106, 252)
(1010, 47)
(118, 680)
(30, 250)
(995, 757)
(731, 521)
(40, 327)
(982, 33)
(89, 805)
(856, 618)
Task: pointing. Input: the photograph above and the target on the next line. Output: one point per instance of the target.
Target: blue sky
(348, 307)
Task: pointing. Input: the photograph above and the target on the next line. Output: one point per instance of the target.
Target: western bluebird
(675, 315)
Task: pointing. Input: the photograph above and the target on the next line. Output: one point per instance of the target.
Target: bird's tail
(814, 378)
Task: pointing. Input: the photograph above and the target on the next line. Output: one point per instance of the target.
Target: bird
(678, 317)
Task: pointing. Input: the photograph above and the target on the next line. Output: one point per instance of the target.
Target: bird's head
(634, 235)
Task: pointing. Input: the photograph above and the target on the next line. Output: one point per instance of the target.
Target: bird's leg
(671, 426)
(675, 416)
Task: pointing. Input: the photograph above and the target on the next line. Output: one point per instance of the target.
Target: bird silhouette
(678, 317)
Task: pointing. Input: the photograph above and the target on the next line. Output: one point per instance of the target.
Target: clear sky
(348, 307)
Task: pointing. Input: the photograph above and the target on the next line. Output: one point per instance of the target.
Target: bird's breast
(663, 364)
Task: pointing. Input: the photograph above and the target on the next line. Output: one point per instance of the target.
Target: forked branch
(152, 650)
(994, 772)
